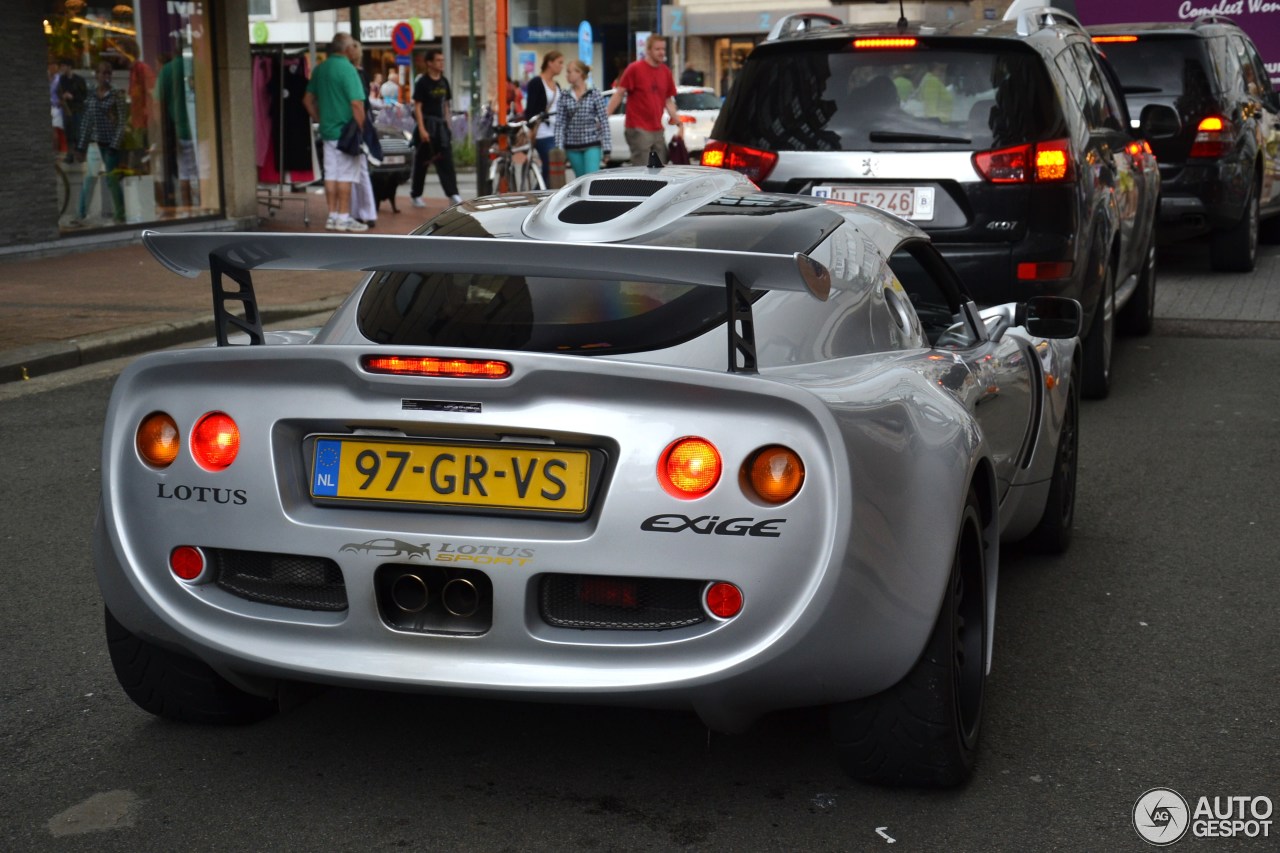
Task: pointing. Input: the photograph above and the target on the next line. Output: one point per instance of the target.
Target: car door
(1263, 112)
(993, 373)
(1114, 163)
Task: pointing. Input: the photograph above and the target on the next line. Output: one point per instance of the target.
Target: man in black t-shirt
(432, 108)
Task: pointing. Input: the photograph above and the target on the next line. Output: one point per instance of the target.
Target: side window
(943, 322)
(1071, 78)
(1248, 73)
(1254, 67)
(1099, 110)
(1227, 65)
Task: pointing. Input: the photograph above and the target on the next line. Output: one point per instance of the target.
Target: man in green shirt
(334, 97)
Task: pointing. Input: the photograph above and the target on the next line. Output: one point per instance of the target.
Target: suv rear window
(1168, 67)
(827, 96)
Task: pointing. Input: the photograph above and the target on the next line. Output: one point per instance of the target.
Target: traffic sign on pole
(402, 38)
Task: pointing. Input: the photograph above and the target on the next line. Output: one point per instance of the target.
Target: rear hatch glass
(697, 101)
(579, 315)
(950, 94)
(1167, 70)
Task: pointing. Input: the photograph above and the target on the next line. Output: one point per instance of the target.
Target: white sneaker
(354, 225)
(331, 224)
(417, 201)
(455, 199)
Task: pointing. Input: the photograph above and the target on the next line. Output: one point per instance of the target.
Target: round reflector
(724, 600)
(186, 562)
(689, 468)
(775, 474)
(157, 440)
(215, 441)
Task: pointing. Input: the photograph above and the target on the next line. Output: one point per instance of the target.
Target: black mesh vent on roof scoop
(286, 580)
(625, 186)
(591, 212)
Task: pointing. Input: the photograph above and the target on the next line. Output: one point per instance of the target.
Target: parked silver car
(658, 438)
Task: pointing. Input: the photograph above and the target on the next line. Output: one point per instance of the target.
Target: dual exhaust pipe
(410, 593)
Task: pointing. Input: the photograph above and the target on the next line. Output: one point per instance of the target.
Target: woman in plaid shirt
(582, 128)
(103, 123)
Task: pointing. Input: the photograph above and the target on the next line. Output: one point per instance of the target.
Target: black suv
(1220, 170)
(1007, 141)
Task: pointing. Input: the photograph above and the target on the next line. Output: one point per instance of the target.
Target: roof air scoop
(623, 204)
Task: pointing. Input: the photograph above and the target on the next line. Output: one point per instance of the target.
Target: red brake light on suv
(1041, 162)
(755, 163)
(1213, 138)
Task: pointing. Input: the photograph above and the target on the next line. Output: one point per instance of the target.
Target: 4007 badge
(1162, 816)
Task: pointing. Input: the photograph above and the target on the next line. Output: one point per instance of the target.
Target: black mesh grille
(590, 212)
(287, 580)
(609, 603)
(625, 186)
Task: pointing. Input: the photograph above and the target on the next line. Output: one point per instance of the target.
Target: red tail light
(186, 562)
(1213, 138)
(215, 441)
(752, 162)
(1042, 162)
(1045, 271)
(689, 468)
(684, 119)
(884, 43)
(457, 368)
(1114, 39)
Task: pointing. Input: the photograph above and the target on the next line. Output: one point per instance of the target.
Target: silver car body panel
(838, 605)
(854, 166)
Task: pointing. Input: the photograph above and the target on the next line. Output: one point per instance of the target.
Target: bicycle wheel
(501, 176)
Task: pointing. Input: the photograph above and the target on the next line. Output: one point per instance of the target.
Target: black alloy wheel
(1098, 344)
(1235, 249)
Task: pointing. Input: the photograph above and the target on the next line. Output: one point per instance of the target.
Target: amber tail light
(1039, 162)
(775, 474)
(1213, 138)
(158, 440)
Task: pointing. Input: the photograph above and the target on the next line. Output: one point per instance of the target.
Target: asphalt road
(1148, 656)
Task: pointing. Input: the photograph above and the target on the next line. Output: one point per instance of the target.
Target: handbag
(677, 154)
(349, 141)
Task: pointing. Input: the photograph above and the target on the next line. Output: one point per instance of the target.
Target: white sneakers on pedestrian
(331, 224)
(417, 201)
(455, 199)
(354, 225)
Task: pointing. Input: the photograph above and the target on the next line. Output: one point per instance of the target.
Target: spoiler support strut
(224, 319)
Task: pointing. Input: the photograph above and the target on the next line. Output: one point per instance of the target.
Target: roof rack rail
(1032, 18)
(803, 22)
(1214, 19)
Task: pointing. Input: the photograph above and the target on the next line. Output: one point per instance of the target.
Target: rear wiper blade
(894, 136)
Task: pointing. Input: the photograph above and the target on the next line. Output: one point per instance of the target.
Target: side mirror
(1160, 121)
(1050, 316)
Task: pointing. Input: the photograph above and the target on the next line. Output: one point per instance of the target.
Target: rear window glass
(580, 315)
(697, 101)
(1165, 66)
(830, 97)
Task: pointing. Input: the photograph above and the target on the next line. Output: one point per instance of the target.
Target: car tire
(1138, 316)
(1052, 535)
(924, 730)
(1099, 343)
(177, 687)
(1235, 249)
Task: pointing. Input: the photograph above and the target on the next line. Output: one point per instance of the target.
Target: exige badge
(704, 524)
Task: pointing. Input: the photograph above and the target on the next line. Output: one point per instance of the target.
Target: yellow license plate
(492, 476)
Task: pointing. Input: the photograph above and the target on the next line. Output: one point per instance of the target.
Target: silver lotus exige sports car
(656, 438)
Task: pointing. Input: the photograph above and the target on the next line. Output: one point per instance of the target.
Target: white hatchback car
(699, 107)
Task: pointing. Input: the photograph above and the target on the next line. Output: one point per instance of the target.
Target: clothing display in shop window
(282, 127)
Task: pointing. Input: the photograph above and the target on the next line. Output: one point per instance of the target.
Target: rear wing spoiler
(234, 254)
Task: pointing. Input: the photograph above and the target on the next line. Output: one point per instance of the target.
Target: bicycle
(63, 185)
(517, 167)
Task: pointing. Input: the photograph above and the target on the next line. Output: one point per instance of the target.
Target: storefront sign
(543, 35)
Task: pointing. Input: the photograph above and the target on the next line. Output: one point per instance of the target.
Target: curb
(44, 359)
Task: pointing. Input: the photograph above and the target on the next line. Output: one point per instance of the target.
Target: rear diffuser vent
(592, 212)
(625, 186)
(285, 580)
(620, 604)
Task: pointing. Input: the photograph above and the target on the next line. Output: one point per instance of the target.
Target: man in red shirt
(650, 89)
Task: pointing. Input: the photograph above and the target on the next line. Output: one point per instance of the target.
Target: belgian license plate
(482, 476)
(907, 202)
(393, 160)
